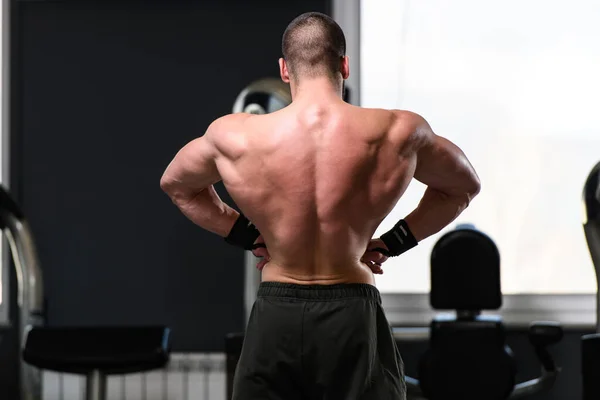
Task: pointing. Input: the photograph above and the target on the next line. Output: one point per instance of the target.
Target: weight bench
(97, 352)
(468, 358)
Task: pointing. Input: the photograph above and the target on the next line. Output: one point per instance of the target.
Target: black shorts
(318, 342)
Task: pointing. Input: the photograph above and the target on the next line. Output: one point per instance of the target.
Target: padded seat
(474, 348)
(111, 350)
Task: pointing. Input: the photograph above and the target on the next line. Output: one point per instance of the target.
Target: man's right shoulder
(404, 129)
(407, 118)
(395, 116)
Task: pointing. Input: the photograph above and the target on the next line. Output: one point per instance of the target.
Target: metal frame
(5, 153)
(347, 15)
(30, 295)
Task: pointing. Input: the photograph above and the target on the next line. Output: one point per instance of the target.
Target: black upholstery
(465, 276)
(472, 348)
(111, 350)
(465, 272)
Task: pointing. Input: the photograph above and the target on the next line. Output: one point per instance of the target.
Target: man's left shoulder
(228, 123)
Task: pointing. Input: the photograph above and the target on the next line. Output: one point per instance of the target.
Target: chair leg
(95, 386)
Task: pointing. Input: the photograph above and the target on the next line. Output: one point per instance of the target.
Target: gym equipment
(465, 277)
(30, 295)
(94, 351)
(263, 96)
(590, 344)
(97, 352)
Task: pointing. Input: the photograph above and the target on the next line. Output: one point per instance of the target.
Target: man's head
(313, 46)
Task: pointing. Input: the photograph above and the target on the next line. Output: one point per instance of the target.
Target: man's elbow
(179, 194)
(171, 188)
(473, 188)
(166, 184)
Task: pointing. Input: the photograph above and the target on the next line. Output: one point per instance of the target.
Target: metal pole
(30, 296)
(347, 14)
(95, 386)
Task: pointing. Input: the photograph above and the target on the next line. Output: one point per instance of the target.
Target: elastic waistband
(319, 292)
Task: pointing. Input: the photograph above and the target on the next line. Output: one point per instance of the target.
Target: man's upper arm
(193, 169)
(441, 164)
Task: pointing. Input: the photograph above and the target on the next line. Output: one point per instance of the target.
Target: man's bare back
(313, 182)
(316, 180)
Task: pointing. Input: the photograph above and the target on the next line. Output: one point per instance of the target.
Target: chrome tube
(30, 295)
(95, 386)
(537, 385)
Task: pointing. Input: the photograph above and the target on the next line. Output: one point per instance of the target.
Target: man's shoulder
(394, 121)
(229, 120)
(394, 115)
(227, 126)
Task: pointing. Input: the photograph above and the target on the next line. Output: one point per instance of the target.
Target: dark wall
(110, 92)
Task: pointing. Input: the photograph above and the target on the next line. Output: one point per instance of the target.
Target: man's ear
(345, 67)
(283, 71)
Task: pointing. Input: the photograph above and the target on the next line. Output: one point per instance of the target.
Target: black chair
(590, 344)
(468, 358)
(93, 352)
(97, 352)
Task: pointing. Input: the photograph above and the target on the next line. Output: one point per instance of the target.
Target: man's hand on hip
(374, 258)
(261, 252)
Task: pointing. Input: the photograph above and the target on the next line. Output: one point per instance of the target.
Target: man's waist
(318, 292)
(350, 273)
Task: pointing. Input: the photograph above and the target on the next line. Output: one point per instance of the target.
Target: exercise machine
(30, 294)
(91, 351)
(467, 357)
(590, 344)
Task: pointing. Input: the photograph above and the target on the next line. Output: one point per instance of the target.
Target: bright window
(516, 85)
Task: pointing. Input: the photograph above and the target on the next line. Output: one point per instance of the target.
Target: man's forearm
(207, 210)
(435, 211)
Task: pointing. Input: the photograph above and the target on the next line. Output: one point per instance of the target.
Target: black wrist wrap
(243, 234)
(399, 239)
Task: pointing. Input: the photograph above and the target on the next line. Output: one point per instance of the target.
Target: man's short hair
(313, 44)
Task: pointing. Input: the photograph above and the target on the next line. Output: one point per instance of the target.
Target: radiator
(186, 377)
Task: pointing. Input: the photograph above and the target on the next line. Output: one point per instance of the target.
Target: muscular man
(316, 179)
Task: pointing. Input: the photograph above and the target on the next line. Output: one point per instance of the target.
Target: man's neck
(321, 88)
